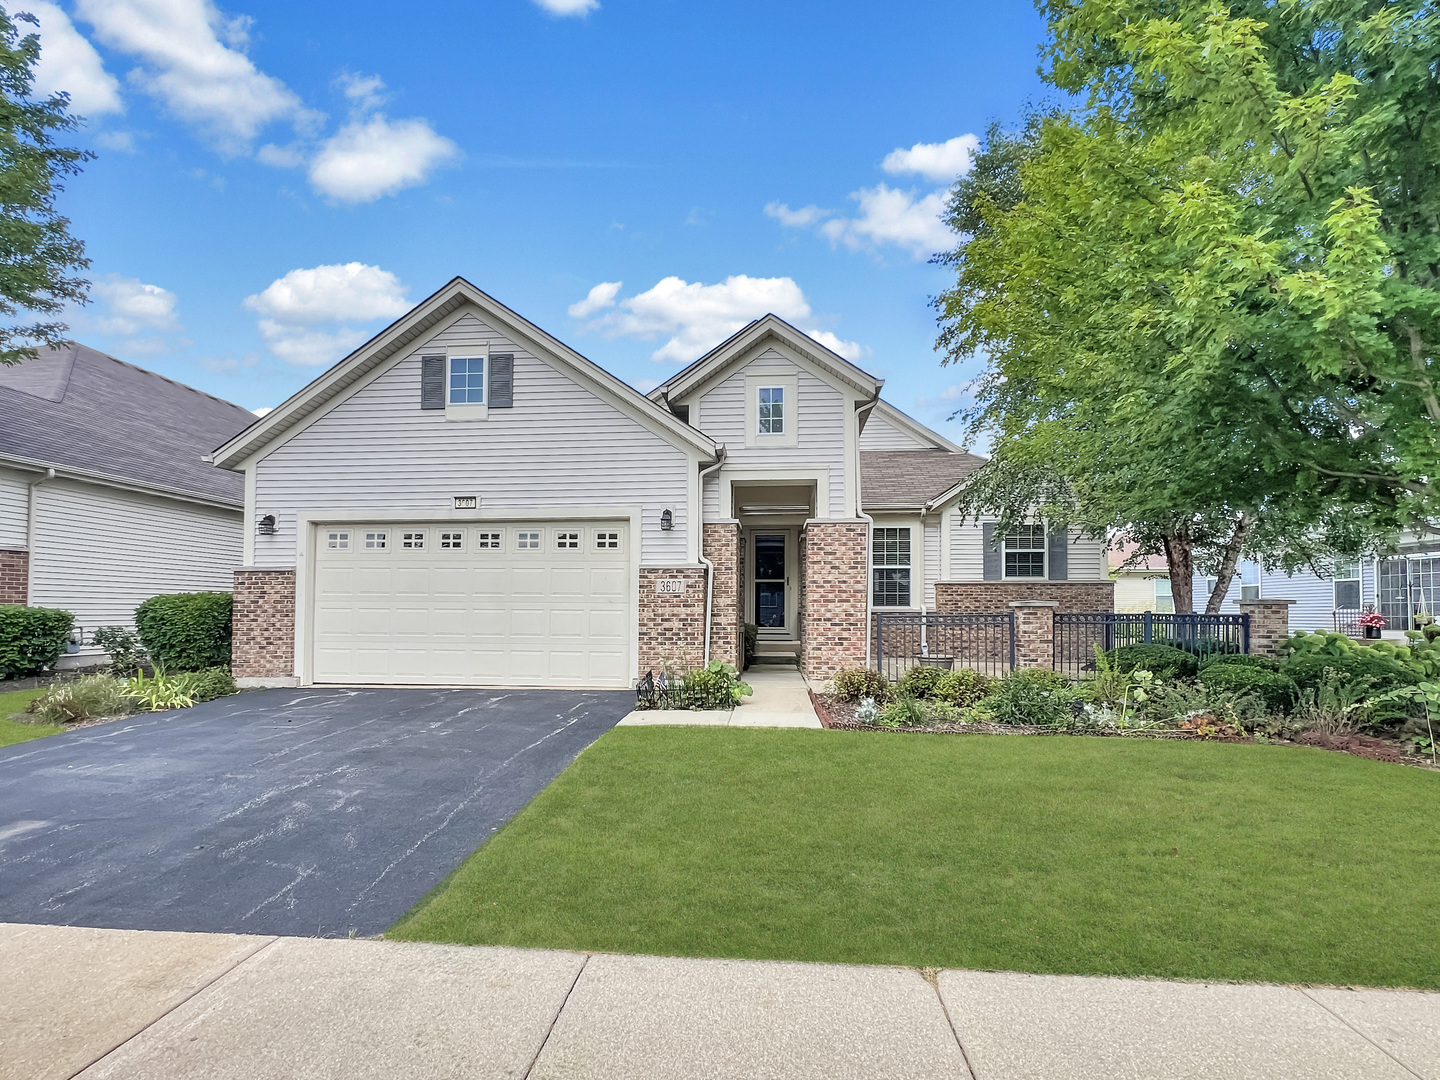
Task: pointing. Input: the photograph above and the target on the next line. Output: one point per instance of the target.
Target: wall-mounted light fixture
(667, 520)
(266, 525)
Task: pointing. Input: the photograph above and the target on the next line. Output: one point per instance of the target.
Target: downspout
(709, 566)
(32, 499)
(864, 410)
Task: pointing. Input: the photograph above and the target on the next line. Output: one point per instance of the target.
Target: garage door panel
(609, 583)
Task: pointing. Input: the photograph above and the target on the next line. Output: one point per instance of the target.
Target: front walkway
(144, 1005)
(781, 699)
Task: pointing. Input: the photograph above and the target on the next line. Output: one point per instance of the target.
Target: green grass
(1092, 856)
(10, 731)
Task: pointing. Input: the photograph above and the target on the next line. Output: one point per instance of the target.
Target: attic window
(771, 410)
(467, 380)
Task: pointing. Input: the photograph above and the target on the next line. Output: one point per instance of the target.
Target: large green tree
(1202, 327)
(38, 256)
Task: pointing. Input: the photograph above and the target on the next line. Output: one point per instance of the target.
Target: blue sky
(275, 182)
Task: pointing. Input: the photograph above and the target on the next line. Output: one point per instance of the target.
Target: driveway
(307, 812)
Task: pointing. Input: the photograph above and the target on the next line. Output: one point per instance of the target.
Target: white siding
(14, 508)
(1085, 562)
(932, 560)
(880, 434)
(100, 551)
(820, 417)
(559, 446)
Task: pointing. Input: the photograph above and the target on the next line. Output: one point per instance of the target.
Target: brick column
(672, 624)
(1269, 625)
(835, 572)
(14, 577)
(1034, 633)
(722, 547)
(262, 651)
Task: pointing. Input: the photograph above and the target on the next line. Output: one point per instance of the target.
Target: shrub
(1162, 661)
(853, 684)
(154, 693)
(1031, 696)
(903, 712)
(31, 638)
(1273, 688)
(964, 687)
(1241, 660)
(1384, 673)
(921, 681)
(127, 655)
(186, 631)
(1202, 648)
(209, 684)
(868, 712)
(84, 699)
(715, 686)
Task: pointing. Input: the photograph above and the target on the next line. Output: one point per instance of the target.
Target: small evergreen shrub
(1033, 697)
(1203, 648)
(31, 638)
(922, 681)
(752, 640)
(1274, 688)
(1308, 672)
(1162, 661)
(855, 684)
(186, 631)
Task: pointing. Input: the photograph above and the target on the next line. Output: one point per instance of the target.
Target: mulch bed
(1365, 746)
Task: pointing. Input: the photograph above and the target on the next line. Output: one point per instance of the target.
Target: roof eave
(128, 483)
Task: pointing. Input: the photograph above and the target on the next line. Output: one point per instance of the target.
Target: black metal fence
(1347, 621)
(904, 640)
(1078, 633)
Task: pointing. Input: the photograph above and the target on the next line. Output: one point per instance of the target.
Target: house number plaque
(670, 586)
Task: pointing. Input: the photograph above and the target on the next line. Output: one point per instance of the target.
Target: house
(467, 500)
(1141, 583)
(106, 496)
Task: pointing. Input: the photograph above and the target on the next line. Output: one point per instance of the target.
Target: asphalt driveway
(307, 812)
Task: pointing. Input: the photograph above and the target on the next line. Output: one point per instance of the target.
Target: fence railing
(983, 642)
(1347, 621)
(1077, 633)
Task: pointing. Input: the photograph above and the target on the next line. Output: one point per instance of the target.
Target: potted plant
(1372, 622)
(1423, 619)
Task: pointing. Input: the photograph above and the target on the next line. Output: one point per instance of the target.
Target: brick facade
(833, 592)
(672, 625)
(1269, 625)
(722, 547)
(988, 597)
(1035, 633)
(263, 646)
(14, 577)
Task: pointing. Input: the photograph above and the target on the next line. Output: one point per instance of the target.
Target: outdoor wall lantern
(266, 525)
(667, 520)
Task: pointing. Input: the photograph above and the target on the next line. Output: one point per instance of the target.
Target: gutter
(119, 482)
(710, 566)
(32, 499)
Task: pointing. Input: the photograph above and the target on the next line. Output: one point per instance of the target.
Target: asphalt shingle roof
(908, 479)
(78, 408)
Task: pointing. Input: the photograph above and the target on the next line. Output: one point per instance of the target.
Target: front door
(770, 581)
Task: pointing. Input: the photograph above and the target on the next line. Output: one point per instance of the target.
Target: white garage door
(490, 605)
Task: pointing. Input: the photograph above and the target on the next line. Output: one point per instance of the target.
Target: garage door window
(452, 541)
(489, 540)
(412, 540)
(338, 541)
(567, 541)
(376, 541)
(527, 541)
(607, 540)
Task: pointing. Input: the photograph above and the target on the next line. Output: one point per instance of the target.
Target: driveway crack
(556, 1018)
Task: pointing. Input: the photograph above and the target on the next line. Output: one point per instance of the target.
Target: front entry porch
(772, 517)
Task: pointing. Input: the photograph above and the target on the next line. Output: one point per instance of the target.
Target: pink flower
(1370, 618)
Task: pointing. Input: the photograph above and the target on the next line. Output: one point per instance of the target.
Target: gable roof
(911, 479)
(771, 327)
(912, 427)
(78, 409)
(415, 325)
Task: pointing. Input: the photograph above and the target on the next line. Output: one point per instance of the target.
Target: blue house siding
(1314, 596)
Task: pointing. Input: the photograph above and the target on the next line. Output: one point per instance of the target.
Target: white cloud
(562, 8)
(366, 91)
(376, 156)
(70, 64)
(694, 318)
(120, 141)
(192, 59)
(281, 157)
(127, 307)
(262, 412)
(796, 219)
(942, 162)
(306, 315)
(597, 299)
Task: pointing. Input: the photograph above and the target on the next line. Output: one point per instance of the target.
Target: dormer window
(467, 380)
(770, 408)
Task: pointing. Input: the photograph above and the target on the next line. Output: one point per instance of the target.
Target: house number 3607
(670, 586)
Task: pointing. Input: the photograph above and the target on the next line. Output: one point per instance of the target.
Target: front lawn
(1090, 856)
(15, 702)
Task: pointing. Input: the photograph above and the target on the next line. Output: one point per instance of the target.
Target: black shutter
(1058, 564)
(502, 381)
(432, 382)
(993, 565)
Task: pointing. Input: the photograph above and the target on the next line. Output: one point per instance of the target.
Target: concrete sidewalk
(143, 1005)
(781, 699)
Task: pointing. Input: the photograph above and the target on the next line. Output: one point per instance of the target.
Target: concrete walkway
(146, 1005)
(781, 699)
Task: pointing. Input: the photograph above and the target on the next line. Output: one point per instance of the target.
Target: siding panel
(14, 508)
(879, 434)
(932, 561)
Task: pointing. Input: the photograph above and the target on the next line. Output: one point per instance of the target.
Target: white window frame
(568, 539)
(608, 540)
(1043, 549)
(375, 539)
(1164, 602)
(452, 540)
(1345, 577)
(338, 539)
(908, 566)
(489, 539)
(467, 410)
(767, 398)
(531, 539)
(789, 385)
(1240, 579)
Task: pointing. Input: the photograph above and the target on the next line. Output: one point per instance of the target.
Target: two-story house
(465, 500)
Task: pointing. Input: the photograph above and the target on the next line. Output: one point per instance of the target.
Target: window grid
(376, 541)
(607, 540)
(467, 380)
(567, 540)
(489, 540)
(527, 541)
(415, 540)
(1164, 598)
(453, 541)
(890, 552)
(1025, 552)
(771, 410)
(338, 541)
(1249, 580)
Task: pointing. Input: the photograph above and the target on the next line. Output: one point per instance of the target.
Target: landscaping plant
(157, 692)
(1274, 688)
(186, 631)
(856, 684)
(207, 685)
(31, 638)
(904, 712)
(1030, 697)
(87, 698)
(1162, 661)
(127, 655)
(715, 686)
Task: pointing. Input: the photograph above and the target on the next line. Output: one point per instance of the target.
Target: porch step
(775, 659)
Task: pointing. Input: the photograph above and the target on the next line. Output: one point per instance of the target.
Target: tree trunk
(1180, 559)
(1228, 560)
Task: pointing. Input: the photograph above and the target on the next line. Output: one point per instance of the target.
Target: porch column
(1269, 625)
(835, 587)
(1034, 633)
(722, 547)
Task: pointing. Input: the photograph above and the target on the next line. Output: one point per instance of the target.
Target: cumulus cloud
(307, 317)
(563, 8)
(373, 156)
(796, 219)
(941, 162)
(597, 299)
(69, 63)
(694, 317)
(192, 58)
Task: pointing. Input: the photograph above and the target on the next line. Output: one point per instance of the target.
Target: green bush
(127, 655)
(1031, 696)
(1202, 648)
(921, 681)
(1241, 660)
(1162, 661)
(209, 684)
(84, 699)
(963, 687)
(186, 631)
(1275, 689)
(31, 638)
(715, 686)
(904, 712)
(854, 684)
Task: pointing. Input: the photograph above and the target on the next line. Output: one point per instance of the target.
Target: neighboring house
(1141, 584)
(466, 500)
(106, 494)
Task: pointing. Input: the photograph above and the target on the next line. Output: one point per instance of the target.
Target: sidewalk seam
(187, 998)
(1306, 993)
(556, 1018)
(964, 1054)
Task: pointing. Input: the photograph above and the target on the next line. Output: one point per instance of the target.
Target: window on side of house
(1025, 552)
(1347, 586)
(771, 410)
(890, 553)
(1164, 598)
(467, 380)
(1249, 580)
